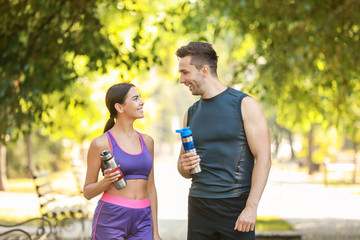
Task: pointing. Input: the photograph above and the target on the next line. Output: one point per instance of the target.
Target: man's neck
(213, 88)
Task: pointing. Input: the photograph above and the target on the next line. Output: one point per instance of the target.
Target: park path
(316, 211)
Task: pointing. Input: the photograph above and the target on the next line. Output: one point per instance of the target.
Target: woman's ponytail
(109, 124)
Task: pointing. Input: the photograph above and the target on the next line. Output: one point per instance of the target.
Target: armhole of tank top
(143, 148)
(241, 98)
(188, 117)
(109, 139)
(143, 143)
(190, 110)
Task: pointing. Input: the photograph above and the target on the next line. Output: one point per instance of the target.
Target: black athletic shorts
(213, 218)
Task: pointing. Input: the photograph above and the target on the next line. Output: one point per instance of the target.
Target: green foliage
(298, 57)
(78, 119)
(303, 57)
(40, 42)
(46, 46)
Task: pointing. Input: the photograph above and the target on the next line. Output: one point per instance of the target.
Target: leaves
(305, 55)
(45, 46)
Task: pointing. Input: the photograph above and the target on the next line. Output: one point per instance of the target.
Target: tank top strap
(144, 146)
(142, 139)
(113, 143)
(111, 139)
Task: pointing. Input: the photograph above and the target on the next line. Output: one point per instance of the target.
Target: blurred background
(299, 59)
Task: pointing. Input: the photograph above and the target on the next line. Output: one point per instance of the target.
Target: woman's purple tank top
(133, 166)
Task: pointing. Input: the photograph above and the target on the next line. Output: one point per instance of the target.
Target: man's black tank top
(226, 160)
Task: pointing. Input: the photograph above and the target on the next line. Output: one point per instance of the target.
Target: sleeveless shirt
(133, 166)
(218, 132)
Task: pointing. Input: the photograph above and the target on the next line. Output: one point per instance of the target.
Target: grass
(272, 224)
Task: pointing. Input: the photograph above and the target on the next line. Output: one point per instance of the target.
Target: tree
(40, 41)
(43, 41)
(42, 44)
(301, 55)
(3, 180)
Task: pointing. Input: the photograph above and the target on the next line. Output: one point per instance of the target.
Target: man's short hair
(201, 53)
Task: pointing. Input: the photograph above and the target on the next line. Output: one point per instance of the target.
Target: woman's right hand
(111, 177)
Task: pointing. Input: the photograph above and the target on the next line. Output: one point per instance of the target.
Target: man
(233, 146)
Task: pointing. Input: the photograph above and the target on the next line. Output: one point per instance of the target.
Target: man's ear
(205, 70)
(119, 107)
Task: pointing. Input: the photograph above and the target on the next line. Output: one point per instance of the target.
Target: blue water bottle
(189, 145)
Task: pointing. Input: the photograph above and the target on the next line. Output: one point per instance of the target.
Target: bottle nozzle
(185, 131)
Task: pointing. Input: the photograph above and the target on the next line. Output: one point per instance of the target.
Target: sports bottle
(109, 162)
(189, 145)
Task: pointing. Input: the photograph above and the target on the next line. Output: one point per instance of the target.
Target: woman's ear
(119, 107)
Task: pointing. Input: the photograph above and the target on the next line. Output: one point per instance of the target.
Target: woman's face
(133, 105)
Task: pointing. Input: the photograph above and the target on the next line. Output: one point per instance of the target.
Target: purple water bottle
(189, 145)
(109, 162)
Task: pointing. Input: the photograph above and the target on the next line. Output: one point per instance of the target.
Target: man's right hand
(186, 162)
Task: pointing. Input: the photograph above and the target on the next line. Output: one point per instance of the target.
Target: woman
(129, 213)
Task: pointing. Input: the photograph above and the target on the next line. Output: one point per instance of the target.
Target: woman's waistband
(125, 202)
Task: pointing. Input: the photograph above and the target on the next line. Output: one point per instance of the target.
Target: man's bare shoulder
(250, 108)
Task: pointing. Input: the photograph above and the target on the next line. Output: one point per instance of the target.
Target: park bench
(62, 210)
(32, 229)
(343, 169)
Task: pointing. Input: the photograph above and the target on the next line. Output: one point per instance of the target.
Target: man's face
(190, 76)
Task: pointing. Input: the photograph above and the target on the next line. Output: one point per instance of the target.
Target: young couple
(233, 150)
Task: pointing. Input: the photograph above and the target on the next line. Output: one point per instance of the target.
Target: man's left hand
(246, 220)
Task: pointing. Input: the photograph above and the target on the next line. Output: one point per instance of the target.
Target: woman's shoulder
(100, 142)
(149, 141)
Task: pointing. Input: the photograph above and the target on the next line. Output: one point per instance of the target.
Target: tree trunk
(276, 150)
(355, 162)
(290, 135)
(311, 143)
(3, 178)
(29, 151)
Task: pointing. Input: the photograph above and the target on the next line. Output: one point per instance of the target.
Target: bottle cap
(105, 155)
(184, 132)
